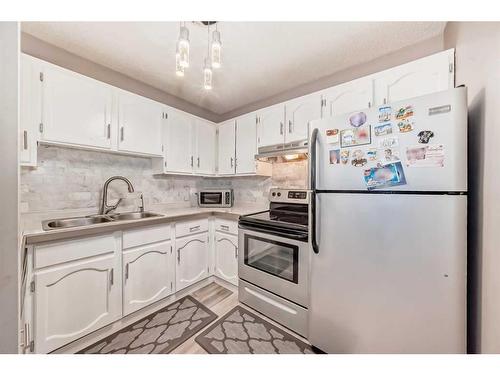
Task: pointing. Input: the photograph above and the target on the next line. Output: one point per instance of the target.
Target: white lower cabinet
(192, 263)
(74, 299)
(226, 257)
(147, 275)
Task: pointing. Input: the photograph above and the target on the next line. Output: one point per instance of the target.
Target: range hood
(283, 152)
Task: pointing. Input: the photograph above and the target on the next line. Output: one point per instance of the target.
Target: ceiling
(260, 59)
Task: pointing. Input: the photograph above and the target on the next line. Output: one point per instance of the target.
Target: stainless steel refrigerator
(389, 227)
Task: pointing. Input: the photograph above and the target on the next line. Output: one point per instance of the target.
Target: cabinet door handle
(236, 252)
(289, 126)
(122, 133)
(192, 161)
(25, 139)
(231, 161)
(194, 229)
(178, 256)
(126, 271)
(111, 278)
(109, 131)
(198, 161)
(224, 227)
(281, 128)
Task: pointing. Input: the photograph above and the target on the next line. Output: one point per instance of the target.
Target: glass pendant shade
(183, 47)
(216, 49)
(207, 75)
(179, 69)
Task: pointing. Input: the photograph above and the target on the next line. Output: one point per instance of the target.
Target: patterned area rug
(160, 332)
(242, 332)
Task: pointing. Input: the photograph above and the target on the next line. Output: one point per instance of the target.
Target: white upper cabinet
(226, 147)
(348, 97)
(178, 143)
(76, 109)
(30, 111)
(246, 144)
(271, 128)
(204, 162)
(298, 113)
(140, 123)
(420, 77)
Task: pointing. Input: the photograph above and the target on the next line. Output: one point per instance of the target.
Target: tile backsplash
(71, 179)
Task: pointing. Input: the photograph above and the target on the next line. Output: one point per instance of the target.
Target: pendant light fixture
(216, 48)
(207, 68)
(183, 46)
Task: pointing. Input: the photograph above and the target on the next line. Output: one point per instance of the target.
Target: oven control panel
(289, 195)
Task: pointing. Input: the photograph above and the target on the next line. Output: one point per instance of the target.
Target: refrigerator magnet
(384, 114)
(358, 158)
(357, 119)
(344, 156)
(425, 156)
(332, 136)
(389, 154)
(371, 154)
(383, 129)
(334, 156)
(355, 136)
(384, 176)
(404, 112)
(425, 136)
(388, 142)
(405, 126)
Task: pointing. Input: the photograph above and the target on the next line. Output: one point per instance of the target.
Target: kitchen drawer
(226, 226)
(185, 228)
(78, 248)
(288, 314)
(145, 235)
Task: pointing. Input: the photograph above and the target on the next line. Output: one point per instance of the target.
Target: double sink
(97, 219)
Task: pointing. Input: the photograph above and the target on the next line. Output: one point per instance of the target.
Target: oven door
(210, 199)
(277, 264)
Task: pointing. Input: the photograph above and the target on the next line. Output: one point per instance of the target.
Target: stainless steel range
(273, 265)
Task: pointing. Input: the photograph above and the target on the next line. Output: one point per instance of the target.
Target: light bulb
(216, 49)
(207, 75)
(179, 69)
(183, 45)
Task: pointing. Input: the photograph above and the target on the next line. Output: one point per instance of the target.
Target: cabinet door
(178, 145)
(76, 109)
(205, 145)
(271, 126)
(348, 97)
(147, 276)
(226, 257)
(246, 144)
(420, 77)
(192, 260)
(140, 124)
(30, 111)
(298, 113)
(226, 146)
(74, 299)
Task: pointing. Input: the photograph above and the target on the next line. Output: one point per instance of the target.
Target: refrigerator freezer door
(444, 113)
(390, 276)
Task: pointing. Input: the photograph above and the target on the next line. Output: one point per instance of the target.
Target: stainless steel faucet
(105, 209)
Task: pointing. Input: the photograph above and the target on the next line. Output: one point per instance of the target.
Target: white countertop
(33, 232)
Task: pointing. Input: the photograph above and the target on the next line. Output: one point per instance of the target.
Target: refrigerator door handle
(314, 138)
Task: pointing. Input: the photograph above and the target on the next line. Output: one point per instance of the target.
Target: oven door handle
(274, 232)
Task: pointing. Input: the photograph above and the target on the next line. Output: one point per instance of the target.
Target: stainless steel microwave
(215, 198)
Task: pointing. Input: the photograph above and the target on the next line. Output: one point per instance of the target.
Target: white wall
(478, 67)
(9, 40)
